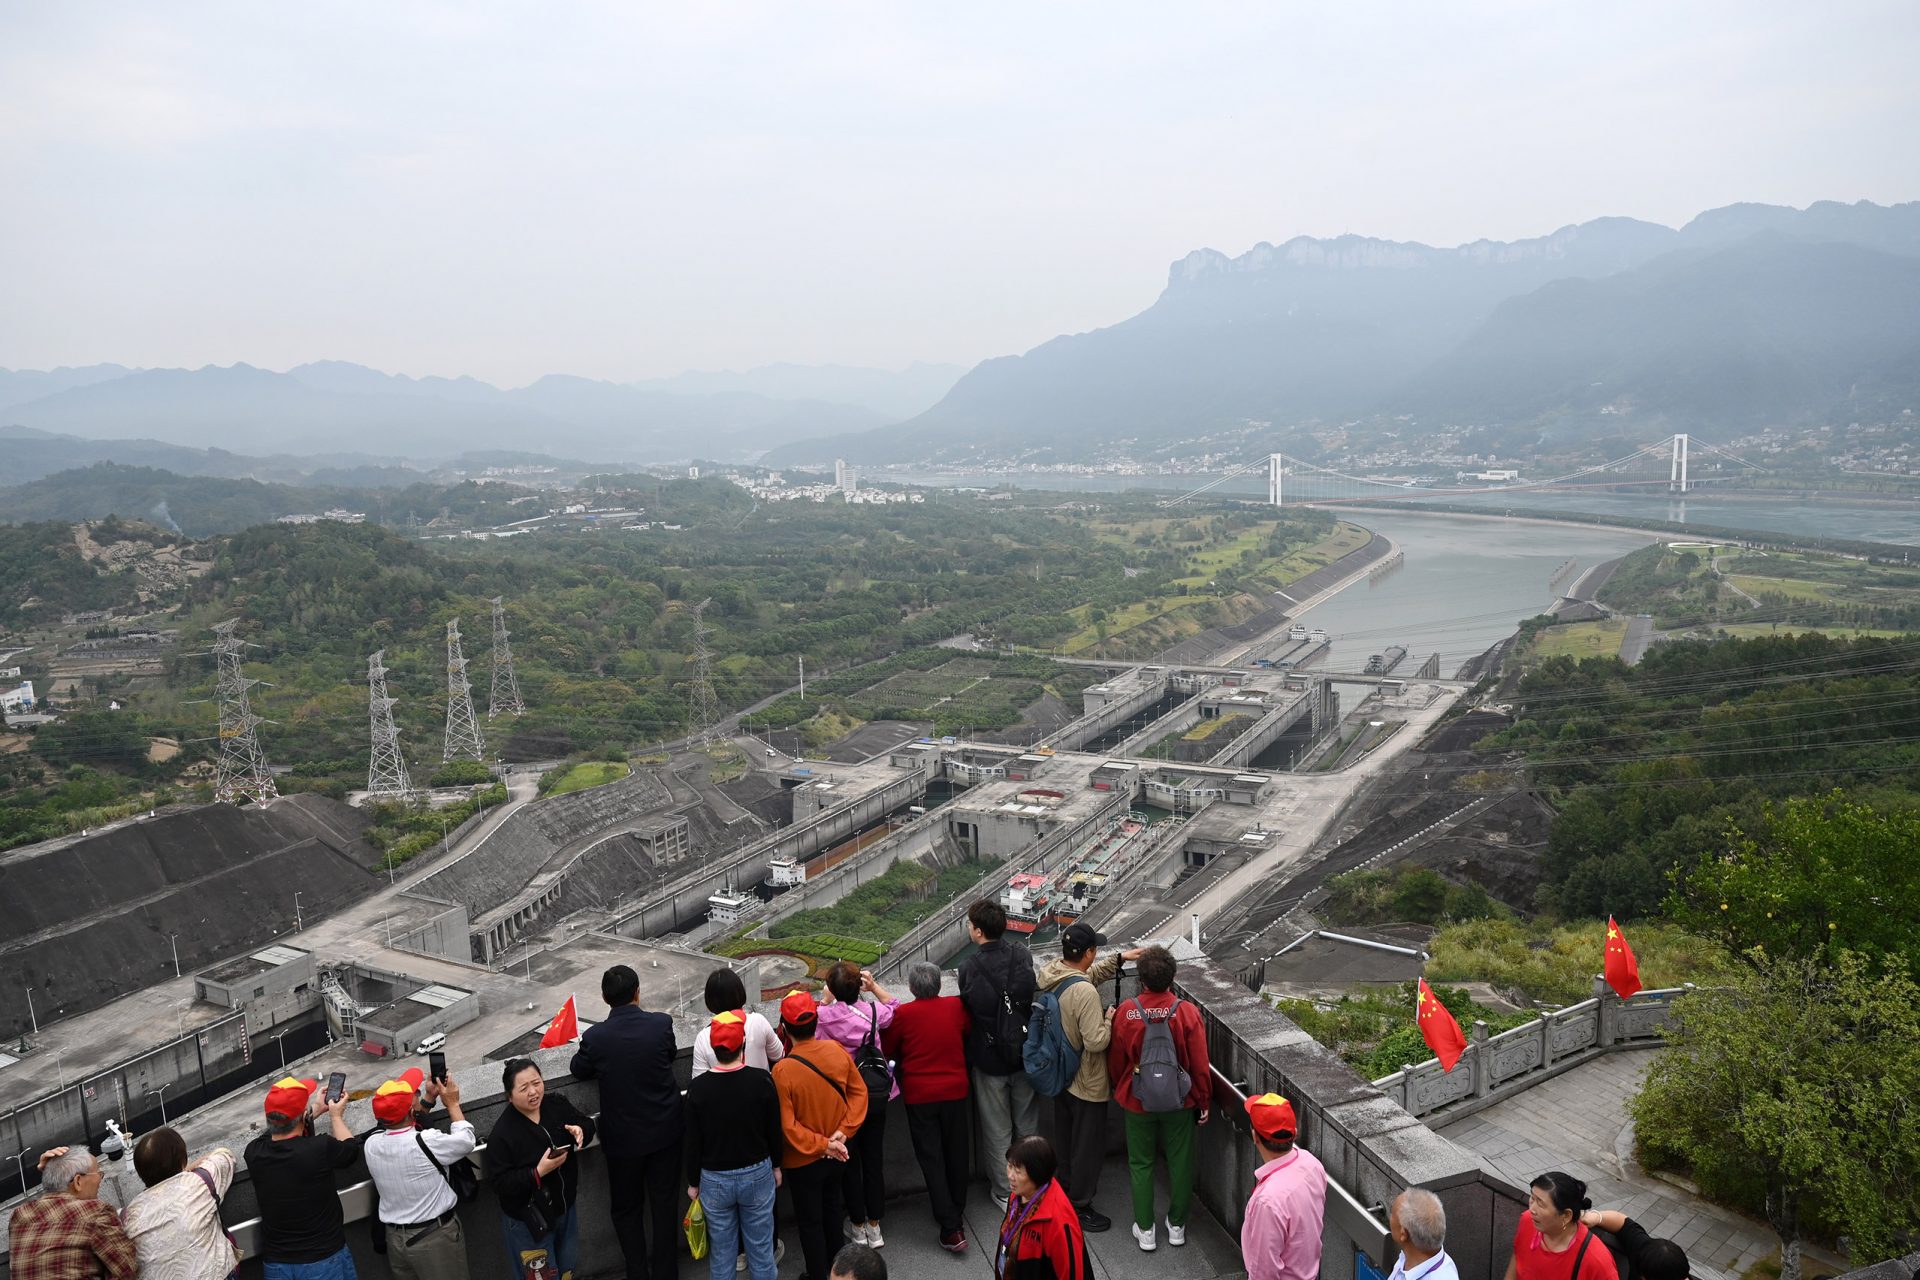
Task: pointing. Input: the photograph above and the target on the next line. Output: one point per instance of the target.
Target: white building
(17, 700)
(845, 479)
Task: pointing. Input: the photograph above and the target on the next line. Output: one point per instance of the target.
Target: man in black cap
(1080, 1114)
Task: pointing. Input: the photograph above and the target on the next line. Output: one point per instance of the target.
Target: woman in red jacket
(1041, 1237)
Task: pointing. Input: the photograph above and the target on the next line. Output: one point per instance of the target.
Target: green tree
(1817, 875)
(1799, 1084)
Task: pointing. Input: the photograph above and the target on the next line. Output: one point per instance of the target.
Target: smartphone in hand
(437, 1066)
(336, 1086)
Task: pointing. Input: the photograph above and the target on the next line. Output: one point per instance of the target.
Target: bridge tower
(1276, 470)
(1677, 472)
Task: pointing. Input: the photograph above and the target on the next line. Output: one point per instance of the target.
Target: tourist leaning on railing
(856, 1024)
(67, 1232)
(928, 1043)
(175, 1222)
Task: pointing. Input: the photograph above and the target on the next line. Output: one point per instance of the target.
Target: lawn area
(1750, 630)
(1792, 588)
(1345, 537)
(591, 773)
(1216, 726)
(1599, 639)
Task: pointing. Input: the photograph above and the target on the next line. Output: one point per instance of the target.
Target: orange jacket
(811, 1109)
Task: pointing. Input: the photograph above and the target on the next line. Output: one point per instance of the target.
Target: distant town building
(845, 478)
(20, 699)
(338, 514)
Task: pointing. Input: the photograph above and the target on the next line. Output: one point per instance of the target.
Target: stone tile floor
(1578, 1122)
(913, 1248)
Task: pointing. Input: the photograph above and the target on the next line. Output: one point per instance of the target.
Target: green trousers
(1147, 1135)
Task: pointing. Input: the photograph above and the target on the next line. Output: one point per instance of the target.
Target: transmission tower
(505, 696)
(703, 709)
(242, 768)
(463, 733)
(387, 769)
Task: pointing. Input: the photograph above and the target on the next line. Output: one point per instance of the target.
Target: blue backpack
(1051, 1062)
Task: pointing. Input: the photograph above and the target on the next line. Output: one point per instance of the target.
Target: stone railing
(1496, 1067)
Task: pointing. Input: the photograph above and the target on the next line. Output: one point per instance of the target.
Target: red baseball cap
(728, 1032)
(393, 1100)
(1272, 1117)
(799, 1009)
(289, 1097)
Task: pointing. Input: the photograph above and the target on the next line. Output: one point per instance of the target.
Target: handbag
(872, 1061)
(459, 1175)
(206, 1180)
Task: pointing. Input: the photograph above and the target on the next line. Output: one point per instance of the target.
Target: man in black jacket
(997, 985)
(631, 1055)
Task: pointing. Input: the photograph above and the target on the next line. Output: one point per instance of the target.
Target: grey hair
(1424, 1219)
(62, 1170)
(923, 979)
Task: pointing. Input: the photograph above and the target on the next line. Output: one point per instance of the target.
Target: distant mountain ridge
(1319, 330)
(335, 406)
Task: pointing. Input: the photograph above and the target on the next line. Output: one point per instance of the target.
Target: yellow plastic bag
(695, 1224)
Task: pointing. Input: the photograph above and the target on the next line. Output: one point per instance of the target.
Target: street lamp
(162, 1091)
(281, 1045)
(174, 939)
(33, 1017)
(20, 1168)
(296, 913)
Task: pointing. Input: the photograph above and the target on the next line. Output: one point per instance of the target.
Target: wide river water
(1465, 584)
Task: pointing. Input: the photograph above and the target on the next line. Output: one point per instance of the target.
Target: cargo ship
(1097, 866)
(1381, 664)
(1026, 900)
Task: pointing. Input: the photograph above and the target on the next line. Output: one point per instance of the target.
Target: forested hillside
(1652, 764)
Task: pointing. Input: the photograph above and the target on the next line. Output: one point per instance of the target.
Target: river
(1888, 521)
(1465, 584)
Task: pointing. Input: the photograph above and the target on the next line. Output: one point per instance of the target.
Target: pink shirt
(848, 1024)
(1280, 1239)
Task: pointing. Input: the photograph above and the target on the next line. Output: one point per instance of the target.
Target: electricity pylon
(387, 768)
(505, 696)
(242, 767)
(703, 709)
(463, 733)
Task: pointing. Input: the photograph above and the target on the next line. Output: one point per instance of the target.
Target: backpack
(1007, 1034)
(1051, 1061)
(1160, 1082)
(872, 1062)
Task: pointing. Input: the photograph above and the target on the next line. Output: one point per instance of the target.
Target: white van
(438, 1040)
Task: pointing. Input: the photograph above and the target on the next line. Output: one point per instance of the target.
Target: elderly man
(68, 1232)
(294, 1173)
(1418, 1223)
(1280, 1238)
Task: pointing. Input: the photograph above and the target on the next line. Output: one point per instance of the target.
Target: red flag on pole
(564, 1029)
(1623, 971)
(1438, 1028)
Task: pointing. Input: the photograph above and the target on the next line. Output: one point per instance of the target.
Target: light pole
(20, 1167)
(174, 939)
(280, 1044)
(296, 913)
(162, 1091)
(31, 1016)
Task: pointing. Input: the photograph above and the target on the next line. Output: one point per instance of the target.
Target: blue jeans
(550, 1257)
(338, 1267)
(739, 1207)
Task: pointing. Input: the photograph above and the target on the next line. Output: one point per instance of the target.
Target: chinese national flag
(564, 1029)
(1623, 971)
(1438, 1028)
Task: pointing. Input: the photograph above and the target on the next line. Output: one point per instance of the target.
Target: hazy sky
(625, 190)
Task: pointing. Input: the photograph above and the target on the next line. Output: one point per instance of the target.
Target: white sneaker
(779, 1248)
(854, 1232)
(874, 1239)
(740, 1265)
(1002, 1202)
(1146, 1238)
(1176, 1236)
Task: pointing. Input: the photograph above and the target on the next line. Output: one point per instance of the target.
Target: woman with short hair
(853, 1022)
(1040, 1238)
(530, 1165)
(726, 993)
(175, 1223)
(928, 1043)
(1551, 1242)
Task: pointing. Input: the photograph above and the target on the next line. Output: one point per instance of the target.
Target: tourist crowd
(801, 1105)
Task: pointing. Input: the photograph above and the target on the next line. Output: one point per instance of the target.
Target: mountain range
(334, 407)
(1747, 316)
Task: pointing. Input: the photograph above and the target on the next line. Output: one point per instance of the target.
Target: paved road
(1633, 646)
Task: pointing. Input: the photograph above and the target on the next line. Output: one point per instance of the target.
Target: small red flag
(1439, 1029)
(564, 1029)
(1623, 971)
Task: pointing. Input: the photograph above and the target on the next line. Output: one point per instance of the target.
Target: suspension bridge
(1665, 465)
